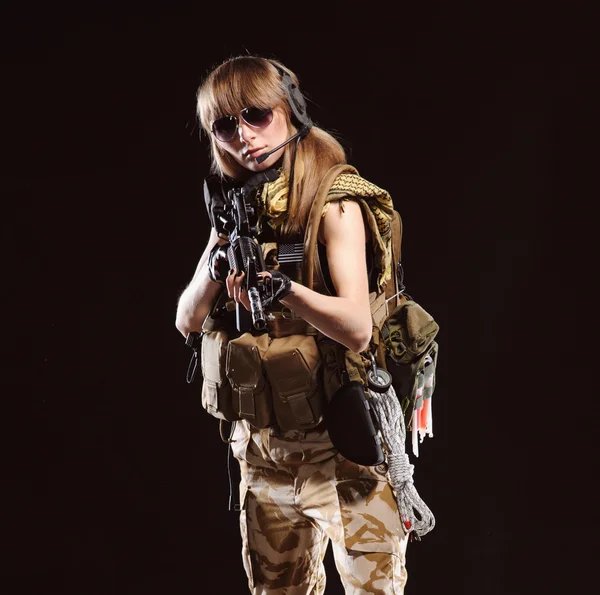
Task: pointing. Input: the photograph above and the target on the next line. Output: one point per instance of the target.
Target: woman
(297, 492)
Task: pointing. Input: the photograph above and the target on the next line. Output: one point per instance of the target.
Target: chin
(270, 161)
(256, 167)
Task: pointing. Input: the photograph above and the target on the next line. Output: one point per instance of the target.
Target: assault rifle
(234, 216)
(244, 254)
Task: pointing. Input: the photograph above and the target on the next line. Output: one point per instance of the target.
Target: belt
(283, 323)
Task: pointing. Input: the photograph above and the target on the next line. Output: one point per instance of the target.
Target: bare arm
(198, 297)
(347, 317)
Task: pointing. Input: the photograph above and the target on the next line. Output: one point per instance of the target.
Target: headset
(297, 103)
(295, 98)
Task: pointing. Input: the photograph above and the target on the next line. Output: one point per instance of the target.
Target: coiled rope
(415, 514)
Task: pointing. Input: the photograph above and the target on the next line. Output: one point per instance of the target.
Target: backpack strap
(382, 303)
(314, 220)
(393, 287)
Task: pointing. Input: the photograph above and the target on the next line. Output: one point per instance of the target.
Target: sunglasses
(225, 128)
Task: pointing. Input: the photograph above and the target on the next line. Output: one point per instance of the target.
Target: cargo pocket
(368, 507)
(251, 394)
(372, 531)
(216, 390)
(292, 365)
(247, 551)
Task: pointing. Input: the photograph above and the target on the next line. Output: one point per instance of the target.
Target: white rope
(414, 513)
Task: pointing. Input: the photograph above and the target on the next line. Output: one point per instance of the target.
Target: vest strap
(246, 401)
(284, 327)
(314, 220)
(311, 268)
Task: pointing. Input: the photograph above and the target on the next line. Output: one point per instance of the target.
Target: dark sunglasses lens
(224, 128)
(257, 117)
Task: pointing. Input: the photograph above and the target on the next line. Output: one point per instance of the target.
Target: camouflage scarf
(376, 203)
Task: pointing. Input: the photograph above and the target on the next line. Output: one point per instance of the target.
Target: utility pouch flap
(216, 390)
(293, 366)
(251, 393)
(408, 332)
(214, 348)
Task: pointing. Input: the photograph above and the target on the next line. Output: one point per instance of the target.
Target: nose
(246, 132)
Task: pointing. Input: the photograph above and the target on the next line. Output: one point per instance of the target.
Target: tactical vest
(285, 376)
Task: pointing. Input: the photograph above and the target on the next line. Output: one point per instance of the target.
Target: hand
(278, 285)
(218, 264)
(236, 289)
(215, 190)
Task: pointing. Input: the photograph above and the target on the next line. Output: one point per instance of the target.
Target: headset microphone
(302, 132)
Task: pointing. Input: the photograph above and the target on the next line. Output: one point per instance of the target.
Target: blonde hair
(253, 81)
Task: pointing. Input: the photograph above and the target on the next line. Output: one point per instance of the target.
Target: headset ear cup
(295, 98)
(297, 102)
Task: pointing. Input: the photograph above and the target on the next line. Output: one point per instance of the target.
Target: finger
(245, 299)
(230, 282)
(237, 288)
(265, 277)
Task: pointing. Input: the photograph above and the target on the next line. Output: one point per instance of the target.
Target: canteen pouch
(251, 394)
(293, 368)
(216, 390)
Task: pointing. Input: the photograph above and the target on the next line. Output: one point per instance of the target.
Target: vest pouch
(408, 332)
(293, 366)
(216, 390)
(409, 335)
(251, 394)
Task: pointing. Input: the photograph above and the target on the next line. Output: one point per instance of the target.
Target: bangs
(237, 84)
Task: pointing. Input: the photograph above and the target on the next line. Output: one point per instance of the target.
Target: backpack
(403, 340)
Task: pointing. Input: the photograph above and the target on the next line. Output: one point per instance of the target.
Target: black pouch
(351, 426)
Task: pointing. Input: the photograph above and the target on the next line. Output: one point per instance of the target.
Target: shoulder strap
(380, 308)
(314, 219)
(392, 288)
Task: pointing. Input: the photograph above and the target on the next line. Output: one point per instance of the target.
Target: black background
(472, 116)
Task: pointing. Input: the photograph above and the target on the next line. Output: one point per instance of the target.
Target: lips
(254, 153)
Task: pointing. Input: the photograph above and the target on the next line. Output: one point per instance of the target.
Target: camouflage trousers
(297, 493)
